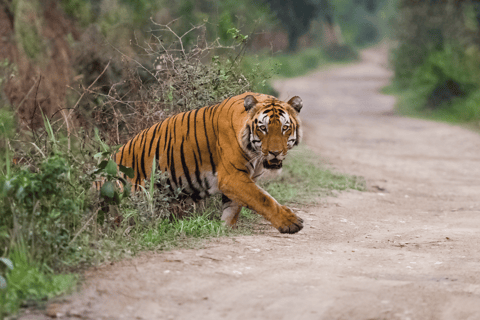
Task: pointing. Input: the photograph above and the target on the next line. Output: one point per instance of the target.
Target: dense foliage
(437, 60)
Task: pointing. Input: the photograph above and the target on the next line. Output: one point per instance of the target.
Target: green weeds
(29, 282)
(304, 179)
(183, 232)
(291, 64)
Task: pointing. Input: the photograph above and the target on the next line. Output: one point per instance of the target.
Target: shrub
(42, 208)
(172, 77)
(447, 83)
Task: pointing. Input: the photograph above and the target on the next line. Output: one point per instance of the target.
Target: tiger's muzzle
(274, 160)
(273, 164)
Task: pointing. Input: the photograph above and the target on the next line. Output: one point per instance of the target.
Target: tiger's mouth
(272, 164)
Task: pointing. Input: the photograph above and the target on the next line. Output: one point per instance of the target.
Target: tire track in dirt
(405, 249)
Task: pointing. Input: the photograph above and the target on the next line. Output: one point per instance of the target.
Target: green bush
(42, 208)
(446, 85)
(437, 60)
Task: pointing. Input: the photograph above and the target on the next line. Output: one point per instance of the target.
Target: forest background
(78, 77)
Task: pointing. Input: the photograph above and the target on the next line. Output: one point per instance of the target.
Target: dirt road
(409, 248)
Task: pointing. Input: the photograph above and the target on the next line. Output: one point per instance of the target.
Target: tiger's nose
(275, 153)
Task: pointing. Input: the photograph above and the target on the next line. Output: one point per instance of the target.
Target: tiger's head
(272, 129)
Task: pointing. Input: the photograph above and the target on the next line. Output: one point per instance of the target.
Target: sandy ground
(408, 248)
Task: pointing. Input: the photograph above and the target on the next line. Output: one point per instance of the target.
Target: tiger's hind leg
(230, 211)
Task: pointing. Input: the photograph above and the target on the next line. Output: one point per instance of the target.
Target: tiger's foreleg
(243, 191)
(230, 211)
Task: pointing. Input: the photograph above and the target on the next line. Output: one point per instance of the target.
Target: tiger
(222, 148)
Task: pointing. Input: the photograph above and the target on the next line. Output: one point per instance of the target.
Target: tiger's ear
(249, 102)
(296, 103)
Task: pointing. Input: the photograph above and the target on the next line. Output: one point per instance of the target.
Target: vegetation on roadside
(101, 71)
(53, 220)
(436, 61)
(305, 179)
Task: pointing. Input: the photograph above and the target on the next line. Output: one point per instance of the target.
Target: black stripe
(212, 114)
(238, 143)
(167, 148)
(267, 110)
(175, 120)
(157, 150)
(195, 133)
(197, 171)
(172, 156)
(172, 167)
(183, 116)
(167, 134)
(142, 157)
(186, 172)
(133, 166)
(208, 145)
(153, 137)
(188, 122)
(226, 101)
(242, 170)
(124, 149)
(130, 147)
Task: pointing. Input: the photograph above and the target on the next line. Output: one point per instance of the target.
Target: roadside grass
(463, 111)
(305, 179)
(184, 232)
(31, 284)
(443, 87)
(289, 65)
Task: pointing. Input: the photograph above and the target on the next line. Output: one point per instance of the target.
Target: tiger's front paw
(293, 223)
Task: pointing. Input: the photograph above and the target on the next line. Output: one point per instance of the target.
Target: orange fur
(222, 148)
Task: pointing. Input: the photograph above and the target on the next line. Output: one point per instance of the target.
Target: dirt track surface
(408, 248)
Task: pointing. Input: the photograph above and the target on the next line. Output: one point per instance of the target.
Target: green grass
(465, 110)
(180, 232)
(30, 283)
(290, 64)
(421, 89)
(304, 179)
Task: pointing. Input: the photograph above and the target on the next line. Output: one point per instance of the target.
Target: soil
(408, 248)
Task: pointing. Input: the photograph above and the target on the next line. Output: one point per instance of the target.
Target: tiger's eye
(262, 127)
(285, 128)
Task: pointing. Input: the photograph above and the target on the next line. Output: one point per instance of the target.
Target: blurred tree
(370, 5)
(296, 16)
